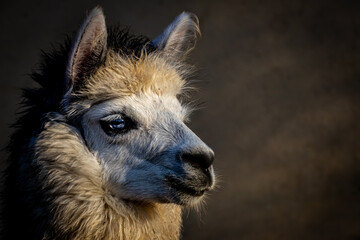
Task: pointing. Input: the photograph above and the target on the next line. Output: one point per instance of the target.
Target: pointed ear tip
(191, 16)
(97, 11)
(194, 19)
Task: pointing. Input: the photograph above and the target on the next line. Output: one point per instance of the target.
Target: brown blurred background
(281, 86)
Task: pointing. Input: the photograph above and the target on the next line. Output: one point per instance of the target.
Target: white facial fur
(137, 164)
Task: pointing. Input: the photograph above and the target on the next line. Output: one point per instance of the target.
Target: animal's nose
(198, 159)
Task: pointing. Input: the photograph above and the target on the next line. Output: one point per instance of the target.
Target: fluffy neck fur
(79, 203)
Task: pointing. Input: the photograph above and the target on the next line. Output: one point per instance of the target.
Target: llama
(101, 150)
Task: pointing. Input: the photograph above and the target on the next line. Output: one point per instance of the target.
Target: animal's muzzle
(201, 159)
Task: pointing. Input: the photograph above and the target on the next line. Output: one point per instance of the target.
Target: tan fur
(88, 207)
(122, 76)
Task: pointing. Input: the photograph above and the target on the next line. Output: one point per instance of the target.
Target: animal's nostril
(198, 159)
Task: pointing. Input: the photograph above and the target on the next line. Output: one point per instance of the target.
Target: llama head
(127, 109)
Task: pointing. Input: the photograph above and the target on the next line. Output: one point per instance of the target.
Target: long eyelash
(112, 117)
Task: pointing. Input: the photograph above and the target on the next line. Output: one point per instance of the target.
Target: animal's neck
(81, 206)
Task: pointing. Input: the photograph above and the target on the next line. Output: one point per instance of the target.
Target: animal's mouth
(193, 187)
(184, 188)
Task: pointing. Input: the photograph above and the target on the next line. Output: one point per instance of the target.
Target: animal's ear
(179, 37)
(88, 48)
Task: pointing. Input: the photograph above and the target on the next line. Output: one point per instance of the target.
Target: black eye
(116, 124)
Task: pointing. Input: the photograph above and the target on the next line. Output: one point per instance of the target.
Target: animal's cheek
(141, 182)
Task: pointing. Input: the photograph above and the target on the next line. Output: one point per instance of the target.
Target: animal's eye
(116, 124)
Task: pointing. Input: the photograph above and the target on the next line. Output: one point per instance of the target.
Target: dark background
(281, 86)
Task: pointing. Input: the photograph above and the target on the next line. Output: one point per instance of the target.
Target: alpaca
(101, 150)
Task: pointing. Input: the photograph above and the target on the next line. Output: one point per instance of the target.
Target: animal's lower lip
(183, 188)
(192, 191)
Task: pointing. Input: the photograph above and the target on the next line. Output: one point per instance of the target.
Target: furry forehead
(122, 75)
